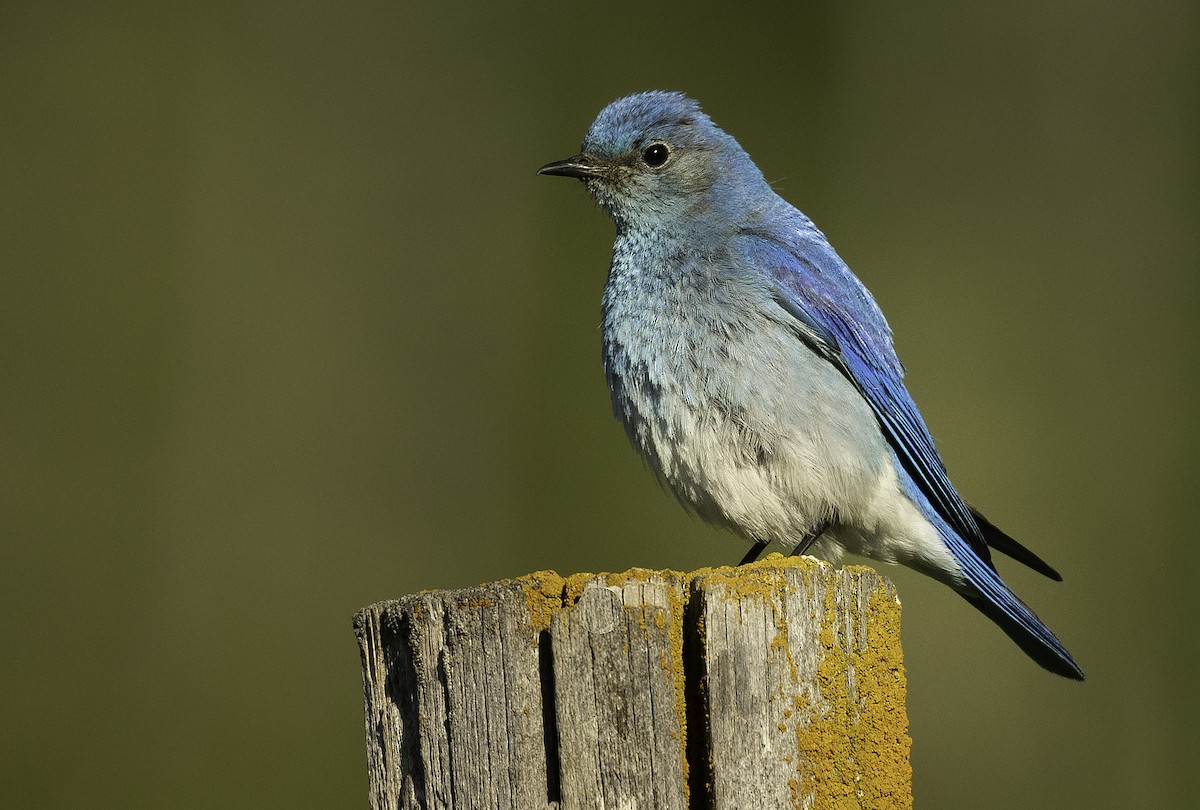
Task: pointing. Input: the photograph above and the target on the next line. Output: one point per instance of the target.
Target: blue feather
(850, 332)
(713, 275)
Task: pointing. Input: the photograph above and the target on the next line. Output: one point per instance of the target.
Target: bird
(756, 375)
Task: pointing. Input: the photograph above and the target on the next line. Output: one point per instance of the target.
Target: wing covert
(841, 322)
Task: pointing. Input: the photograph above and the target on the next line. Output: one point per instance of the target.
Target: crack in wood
(778, 684)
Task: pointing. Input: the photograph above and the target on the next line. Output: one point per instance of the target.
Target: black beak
(581, 166)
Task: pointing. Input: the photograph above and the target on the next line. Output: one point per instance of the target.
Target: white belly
(772, 449)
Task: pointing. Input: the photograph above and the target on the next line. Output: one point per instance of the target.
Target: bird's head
(655, 159)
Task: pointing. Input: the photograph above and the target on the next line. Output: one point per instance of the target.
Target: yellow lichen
(856, 746)
(853, 746)
(543, 597)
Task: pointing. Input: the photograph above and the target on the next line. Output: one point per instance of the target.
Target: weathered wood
(804, 689)
(454, 700)
(777, 684)
(618, 689)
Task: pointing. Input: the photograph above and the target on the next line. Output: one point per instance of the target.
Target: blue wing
(843, 324)
(839, 320)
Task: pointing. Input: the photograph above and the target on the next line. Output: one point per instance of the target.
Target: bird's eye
(656, 154)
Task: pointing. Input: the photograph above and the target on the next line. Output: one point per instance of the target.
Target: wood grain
(776, 684)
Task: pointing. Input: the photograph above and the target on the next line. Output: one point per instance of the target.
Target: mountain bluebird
(755, 374)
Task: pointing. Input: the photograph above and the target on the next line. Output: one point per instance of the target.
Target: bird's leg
(809, 539)
(754, 551)
(801, 547)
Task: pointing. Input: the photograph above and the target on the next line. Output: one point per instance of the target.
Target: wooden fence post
(773, 685)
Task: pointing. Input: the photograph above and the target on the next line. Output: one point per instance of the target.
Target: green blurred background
(288, 326)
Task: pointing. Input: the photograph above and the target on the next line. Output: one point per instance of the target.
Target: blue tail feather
(984, 589)
(991, 597)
